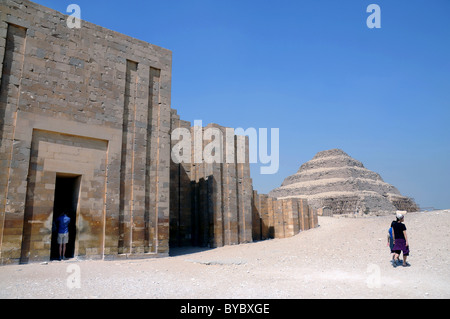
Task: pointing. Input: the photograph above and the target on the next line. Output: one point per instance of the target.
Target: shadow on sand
(179, 251)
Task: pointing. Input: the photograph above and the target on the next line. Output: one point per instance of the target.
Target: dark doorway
(67, 188)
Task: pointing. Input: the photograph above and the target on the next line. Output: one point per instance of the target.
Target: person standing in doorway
(63, 234)
(400, 240)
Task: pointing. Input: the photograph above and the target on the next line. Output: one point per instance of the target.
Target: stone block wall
(210, 202)
(214, 204)
(281, 218)
(85, 102)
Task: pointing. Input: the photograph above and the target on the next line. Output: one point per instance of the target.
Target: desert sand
(342, 258)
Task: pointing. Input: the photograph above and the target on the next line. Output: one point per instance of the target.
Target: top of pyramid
(332, 152)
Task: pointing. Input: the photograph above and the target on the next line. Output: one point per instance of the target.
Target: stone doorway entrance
(67, 190)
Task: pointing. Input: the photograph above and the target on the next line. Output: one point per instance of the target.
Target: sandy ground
(343, 258)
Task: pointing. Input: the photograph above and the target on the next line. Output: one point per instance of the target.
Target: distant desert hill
(335, 183)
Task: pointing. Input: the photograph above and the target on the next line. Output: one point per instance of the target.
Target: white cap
(399, 215)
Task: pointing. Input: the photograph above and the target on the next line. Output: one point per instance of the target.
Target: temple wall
(210, 201)
(85, 102)
(281, 218)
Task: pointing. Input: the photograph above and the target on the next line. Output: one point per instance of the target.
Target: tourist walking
(400, 241)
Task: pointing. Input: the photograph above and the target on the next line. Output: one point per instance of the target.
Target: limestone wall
(214, 204)
(88, 102)
(210, 202)
(281, 218)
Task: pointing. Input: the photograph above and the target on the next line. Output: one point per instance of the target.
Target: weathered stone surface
(281, 218)
(90, 103)
(210, 202)
(335, 183)
(214, 204)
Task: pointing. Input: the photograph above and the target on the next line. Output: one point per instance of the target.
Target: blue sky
(313, 69)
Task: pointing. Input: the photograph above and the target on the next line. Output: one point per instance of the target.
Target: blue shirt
(63, 224)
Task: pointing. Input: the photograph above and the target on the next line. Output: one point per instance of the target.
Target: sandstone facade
(214, 204)
(85, 127)
(335, 183)
(210, 202)
(88, 104)
(281, 218)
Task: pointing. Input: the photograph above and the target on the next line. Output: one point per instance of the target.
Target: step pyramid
(335, 183)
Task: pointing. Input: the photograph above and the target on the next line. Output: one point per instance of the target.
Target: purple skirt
(400, 245)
